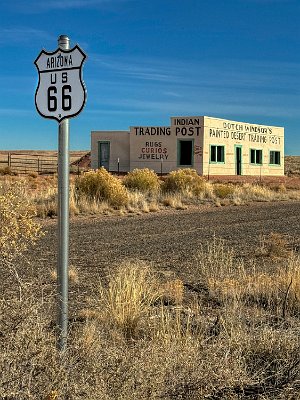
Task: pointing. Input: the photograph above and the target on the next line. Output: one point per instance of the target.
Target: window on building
(256, 156)
(275, 157)
(217, 154)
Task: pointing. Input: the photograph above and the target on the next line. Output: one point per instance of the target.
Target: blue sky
(149, 60)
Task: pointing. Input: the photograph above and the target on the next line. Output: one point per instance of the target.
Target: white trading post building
(212, 146)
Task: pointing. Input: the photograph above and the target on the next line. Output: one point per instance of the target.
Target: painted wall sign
(152, 130)
(153, 151)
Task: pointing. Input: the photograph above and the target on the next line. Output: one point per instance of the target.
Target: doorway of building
(185, 153)
(103, 155)
(238, 160)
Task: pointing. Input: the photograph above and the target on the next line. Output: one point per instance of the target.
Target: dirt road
(168, 239)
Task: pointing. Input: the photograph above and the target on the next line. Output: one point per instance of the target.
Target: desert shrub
(33, 174)
(223, 190)
(184, 180)
(276, 245)
(144, 180)
(6, 171)
(46, 202)
(18, 229)
(100, 185)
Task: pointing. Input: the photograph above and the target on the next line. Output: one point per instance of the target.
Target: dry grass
(174, 201)
(229, 280)
(140, 202)
(145, 337)
(251, 192)
(102, 193)
(172, 292)
(234, 335)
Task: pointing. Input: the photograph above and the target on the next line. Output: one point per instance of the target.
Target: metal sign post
(63, 222)
(60, 95)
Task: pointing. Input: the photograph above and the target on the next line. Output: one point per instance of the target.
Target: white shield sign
(61, 92)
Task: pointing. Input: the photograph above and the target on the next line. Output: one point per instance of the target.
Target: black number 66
(65, 98)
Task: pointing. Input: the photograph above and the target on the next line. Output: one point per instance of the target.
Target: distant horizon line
(39, 150)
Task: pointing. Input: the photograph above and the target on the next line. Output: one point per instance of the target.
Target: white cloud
(242, 87)
(171, 94)
(38, 6)
(22, 35)
(270, 1)
(14, 112)
(135, 68)
(226, 73)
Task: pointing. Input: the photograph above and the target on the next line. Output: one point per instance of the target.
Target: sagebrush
(100, 185)
(144, 180)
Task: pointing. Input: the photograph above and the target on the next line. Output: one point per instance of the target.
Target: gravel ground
(167, 239)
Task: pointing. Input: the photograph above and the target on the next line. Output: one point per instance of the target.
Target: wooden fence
(25, 164)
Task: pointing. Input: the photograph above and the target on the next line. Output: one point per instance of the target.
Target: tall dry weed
(131, 291)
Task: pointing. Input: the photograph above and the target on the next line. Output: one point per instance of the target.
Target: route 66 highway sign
(61, 92)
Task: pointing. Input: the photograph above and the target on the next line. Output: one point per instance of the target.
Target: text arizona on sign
(59, 61)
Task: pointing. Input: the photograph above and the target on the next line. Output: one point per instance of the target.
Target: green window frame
(217, 154)
(274, 158)
(256, 156)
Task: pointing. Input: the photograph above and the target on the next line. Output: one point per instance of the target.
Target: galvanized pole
(63, 222)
